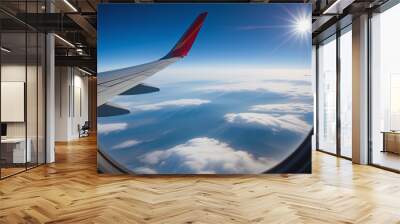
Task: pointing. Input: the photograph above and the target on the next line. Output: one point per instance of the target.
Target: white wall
(80, 104)
(61, 103)
(71, 87)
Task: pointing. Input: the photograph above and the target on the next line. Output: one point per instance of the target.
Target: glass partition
(327, 95)
(13, 94)
(31, 98)
(41, 97)
(22, 88)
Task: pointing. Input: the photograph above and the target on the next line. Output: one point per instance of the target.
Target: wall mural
(204, 88)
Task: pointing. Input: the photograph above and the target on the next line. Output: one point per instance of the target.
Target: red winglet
(182, 48)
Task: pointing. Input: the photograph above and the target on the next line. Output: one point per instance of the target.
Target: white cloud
(111, 127)
(144, 170)
(155, 157)
(170, 103)
(284, 88)
(231, 72)
(126, 144)
(207, 155)
(283, 108)
(274, 122)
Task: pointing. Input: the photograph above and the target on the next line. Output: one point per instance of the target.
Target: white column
(50, 99)
(50, 92)
(360, 90)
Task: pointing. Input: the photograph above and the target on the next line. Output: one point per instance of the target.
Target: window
(327, 95)
(346, 93)
(385, 89)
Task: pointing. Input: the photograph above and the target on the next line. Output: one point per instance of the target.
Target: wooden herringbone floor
(71, 191)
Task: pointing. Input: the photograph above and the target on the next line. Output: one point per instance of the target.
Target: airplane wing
(125, 81)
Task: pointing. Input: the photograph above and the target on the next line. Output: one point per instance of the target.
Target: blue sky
(258, 35)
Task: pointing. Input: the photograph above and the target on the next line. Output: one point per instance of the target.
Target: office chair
(84, 130)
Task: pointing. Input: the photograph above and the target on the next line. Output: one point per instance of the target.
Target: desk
(391, 141)
(13, 150)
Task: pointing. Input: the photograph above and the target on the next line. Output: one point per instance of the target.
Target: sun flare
(303, 25)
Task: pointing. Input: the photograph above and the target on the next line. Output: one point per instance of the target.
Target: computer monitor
(3, 129)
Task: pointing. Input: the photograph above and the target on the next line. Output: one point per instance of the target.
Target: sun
(303, 25)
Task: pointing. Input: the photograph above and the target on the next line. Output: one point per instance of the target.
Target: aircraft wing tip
(183, 46)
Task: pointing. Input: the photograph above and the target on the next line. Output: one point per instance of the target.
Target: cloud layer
(276, 123)
(144, 170)
(230, 72)
(170, 103)
(283, 88)
(289, 108)
(126, 144)
(111, 127)
(207, 155)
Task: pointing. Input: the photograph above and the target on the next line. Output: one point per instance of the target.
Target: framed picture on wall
(12, 101)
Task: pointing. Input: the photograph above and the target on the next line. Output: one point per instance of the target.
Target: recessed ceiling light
(84, 71)
(64, 40)
(70, 5)
(5, 50)
(338, 6)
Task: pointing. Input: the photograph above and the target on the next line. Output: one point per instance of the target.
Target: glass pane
(13, 86)
(346, 94)
(31, 98)
(31, 88)
(386, 89)
(327, 96)
(41, 98)
(314, 78)
(23, 87)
